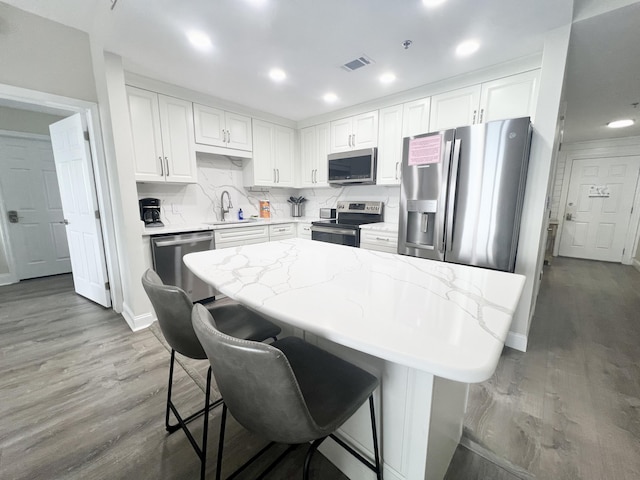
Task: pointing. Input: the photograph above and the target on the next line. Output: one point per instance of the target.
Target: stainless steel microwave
(357, 167)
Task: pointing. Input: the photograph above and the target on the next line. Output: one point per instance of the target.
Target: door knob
(568, 216)
(13, 216)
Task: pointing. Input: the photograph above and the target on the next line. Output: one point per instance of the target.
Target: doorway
(100, 206)
(598, 221)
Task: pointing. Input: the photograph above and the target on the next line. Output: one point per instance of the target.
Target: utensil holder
(296, 209)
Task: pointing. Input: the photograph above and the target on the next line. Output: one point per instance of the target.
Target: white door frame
(91, 118)
(631, 242)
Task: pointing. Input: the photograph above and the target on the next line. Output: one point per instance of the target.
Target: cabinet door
(176, 120)
(322, 168)
(454, 109)
(263, 162)
(144, 119)
(341, 135)
(284, 146)
(238, 131)
(390, 146)
(209, 125)
(308, 156)
(365, 130)
(509, 97)
(415, 117)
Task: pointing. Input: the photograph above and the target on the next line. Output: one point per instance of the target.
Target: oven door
(341, 236)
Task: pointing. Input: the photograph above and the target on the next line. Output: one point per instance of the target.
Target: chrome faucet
(229, 205)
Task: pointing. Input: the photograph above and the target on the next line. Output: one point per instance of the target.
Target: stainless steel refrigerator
(462, 193)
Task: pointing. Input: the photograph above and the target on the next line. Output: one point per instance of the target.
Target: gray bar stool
(289, 392)
(173, 309)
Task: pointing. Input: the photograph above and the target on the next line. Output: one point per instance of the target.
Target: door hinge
(86, 135)
(107, 286)
(97, 213)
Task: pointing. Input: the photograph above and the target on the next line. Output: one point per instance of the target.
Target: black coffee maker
(150, 212)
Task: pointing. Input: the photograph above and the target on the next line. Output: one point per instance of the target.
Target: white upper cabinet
(272, 164)
(454, 109)
(353, 133)
(390, 146)
(395, 123)
(162, 130)
(508, 97)
(314, 148)
(218, 128)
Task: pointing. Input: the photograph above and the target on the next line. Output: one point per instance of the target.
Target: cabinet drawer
(304, 231)
(379, 240)
(234, 237)
(282, 231)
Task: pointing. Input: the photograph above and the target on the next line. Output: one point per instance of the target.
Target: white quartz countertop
(197, 227)
(380, 227)
(449, 320)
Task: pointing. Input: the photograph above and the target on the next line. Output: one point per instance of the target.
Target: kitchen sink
(233, 222)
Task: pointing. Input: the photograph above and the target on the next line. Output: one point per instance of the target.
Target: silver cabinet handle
(315, 176)
(397, 163)
(383, 239)
(481, 114)
(350, 140)
(274, 175)
(166, 160)
(161, 167)
(278, 172)
(353, 140)
(474, 117)
(228, 136)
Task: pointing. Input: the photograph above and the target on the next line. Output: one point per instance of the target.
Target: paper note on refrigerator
(424, 150)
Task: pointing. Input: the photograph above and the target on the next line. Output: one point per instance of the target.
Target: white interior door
(598, 209)
(30, 191)
(80, 207)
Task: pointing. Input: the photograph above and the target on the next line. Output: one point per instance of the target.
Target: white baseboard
(636, 264)
(517, 341)
(137, 322)
(7, 279)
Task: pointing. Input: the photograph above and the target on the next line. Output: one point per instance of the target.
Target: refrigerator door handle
(443, 239)
(453, 186)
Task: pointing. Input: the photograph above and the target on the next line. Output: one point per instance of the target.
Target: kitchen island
(426, 328)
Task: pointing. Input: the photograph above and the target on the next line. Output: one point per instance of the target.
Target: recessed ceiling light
(257, 3)
(620, 123)
(330, 97)
(277, 75)
(432, 3)
(387, 77)
(467, 48)
(199, 40)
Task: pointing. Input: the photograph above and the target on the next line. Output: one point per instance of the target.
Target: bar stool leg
(375, 439)
(203, 458)
(170, 428)
(223, 422)
(307, 461)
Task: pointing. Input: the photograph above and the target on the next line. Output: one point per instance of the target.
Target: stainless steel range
(345, 229)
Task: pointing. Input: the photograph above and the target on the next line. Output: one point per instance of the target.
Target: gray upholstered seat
(290, 392)
(173, 309)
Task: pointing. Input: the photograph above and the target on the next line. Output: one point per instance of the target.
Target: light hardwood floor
(81, 397)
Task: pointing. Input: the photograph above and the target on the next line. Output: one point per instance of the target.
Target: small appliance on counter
(345, 229)
(328, 213)
(150, 212)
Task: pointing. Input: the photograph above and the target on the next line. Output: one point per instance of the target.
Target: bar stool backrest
(257, 384)
(173, 309)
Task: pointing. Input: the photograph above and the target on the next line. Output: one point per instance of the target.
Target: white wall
(534, 215)
(43, 55)
(15, 120)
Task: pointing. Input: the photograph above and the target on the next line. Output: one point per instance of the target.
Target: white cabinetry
(162, 130)
(314, 148)
(379, 240)
(508, 97)
(282, 231)
(304, 230)
(353, 133)
(238, 236)
(218, 128)
(272, 164)
(396, 123)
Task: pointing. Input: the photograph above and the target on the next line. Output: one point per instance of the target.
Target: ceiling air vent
(357, 63)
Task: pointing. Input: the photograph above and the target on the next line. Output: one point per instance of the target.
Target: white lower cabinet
(238, 236)
(304, 230)
(379, 240)
(282, 231)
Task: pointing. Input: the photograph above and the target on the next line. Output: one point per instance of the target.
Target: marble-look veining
(445, 319)
(199, 203)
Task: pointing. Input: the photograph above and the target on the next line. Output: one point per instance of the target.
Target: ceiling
(311, 39)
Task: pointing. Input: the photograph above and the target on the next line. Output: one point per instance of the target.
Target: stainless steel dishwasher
(168, 250)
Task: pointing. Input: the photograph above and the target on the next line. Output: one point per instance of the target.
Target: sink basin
(233, 222)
